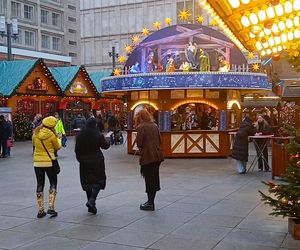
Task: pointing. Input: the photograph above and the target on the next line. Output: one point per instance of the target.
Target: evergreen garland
(22, 126)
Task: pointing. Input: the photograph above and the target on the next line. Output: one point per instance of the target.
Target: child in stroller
(116, 137)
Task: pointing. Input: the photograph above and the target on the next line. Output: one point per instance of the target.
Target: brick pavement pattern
(203, 204)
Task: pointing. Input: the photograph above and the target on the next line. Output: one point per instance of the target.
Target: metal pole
(9, 54)
(113, 57)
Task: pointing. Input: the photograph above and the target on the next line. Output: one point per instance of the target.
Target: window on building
(18, 38)
(29, 38)
(72, 54)
(28, 12)
(44, 16)
(71, 7)
(45, 42)
(55, 19)
(72, 43)
(72, 19)
(15, 9)
(56, 43)
(72, 31)
(3, 6)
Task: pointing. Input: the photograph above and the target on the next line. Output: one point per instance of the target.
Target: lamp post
(114, 55)
(11, 32)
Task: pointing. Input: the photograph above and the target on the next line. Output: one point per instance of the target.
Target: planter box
(294, 228)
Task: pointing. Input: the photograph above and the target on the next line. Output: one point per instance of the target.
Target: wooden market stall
(29, 88)
(79, 93)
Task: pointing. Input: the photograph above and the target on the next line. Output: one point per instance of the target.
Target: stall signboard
(190, 80)
(167, 121)
(223, 120)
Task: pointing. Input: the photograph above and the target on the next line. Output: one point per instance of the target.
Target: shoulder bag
(55, 164)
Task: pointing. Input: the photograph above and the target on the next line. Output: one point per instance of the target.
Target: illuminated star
(184, 15)
(156, 25)
(255, 67)
(200, 19)
(213, 22)
(121, 59)
(117, 72)
(135, 39)
(128, 49)
(168, 21)
(145, 31)
(251, 55)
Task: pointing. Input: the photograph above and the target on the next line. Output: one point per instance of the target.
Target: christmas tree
(22, 126)
(285, 196)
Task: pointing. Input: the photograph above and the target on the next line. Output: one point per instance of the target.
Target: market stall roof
(64, 75)
(256, 24)
(97, 76)
(14, 73)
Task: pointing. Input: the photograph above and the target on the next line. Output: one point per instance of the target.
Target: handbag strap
(46, 150)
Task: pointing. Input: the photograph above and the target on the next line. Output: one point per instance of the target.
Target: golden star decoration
(184, 15)
(135, 39)
(128, 49)
(200, 19)
(121, 59)
(168, 21)
(255, 67)
(251, 55)
(213, 22)
(156, 25)
(117, 72)
(145, 31)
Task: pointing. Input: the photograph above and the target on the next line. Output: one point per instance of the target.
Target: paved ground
(203, 204)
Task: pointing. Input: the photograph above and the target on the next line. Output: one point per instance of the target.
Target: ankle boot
(40, 201)
(91, 204)
(51, 210)
(147, 206)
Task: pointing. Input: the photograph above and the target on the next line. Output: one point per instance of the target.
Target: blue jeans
(241, 166)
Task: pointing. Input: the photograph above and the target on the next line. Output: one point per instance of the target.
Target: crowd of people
(47, 140)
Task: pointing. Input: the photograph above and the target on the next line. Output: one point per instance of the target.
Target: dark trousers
(4, 148)
(92, 194)
(40, 178)
(263, 158)
(150, 173)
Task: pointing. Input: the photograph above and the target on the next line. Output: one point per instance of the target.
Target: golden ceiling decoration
(156, 25)
(121, 59)
(145, 31)
(184, 15)
(267, 26)
(168, 21)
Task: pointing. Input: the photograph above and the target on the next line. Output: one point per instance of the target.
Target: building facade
(48, 29)
(112, 23)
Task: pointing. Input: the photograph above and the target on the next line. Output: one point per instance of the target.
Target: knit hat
(49, 122)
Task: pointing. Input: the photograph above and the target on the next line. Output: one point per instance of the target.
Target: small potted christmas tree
(284, 197)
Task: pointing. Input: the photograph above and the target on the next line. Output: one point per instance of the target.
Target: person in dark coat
(100, 124)
(240, 146)
(208, 121)
(79, 122)
(4, 135)
(148, 142)
(91, 162)
(262, 128)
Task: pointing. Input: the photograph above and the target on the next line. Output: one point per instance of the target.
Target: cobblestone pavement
(203, 204)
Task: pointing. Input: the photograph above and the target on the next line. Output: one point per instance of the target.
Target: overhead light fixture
(279, 10)
(245, 1)
(253, 18)
(234, 3)
(297, 33)
(258, 45)
(270, 12)
(288, 7)
(271, 41)
(296, 20)
(263, 53)
(262, 15)
(267, 32)
(290, 35)
(279, 48)
(289, 23)
(245, 21)
(281, 25)
(284, 38)
(296, 5)
(269, 52)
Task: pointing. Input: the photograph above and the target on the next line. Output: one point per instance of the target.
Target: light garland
(203, 101)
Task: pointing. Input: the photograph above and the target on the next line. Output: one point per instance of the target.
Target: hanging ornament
(184, 15)
(145, 31)
(251, 55)
(117, 72)
(121, 59)
(200, 19)
(274, 2)
(128, 49)
(156, 25)
(255, 67)
(272, 184)
(135, 39)
(284, 201)
(268, 24)
(168, 21)
(276, 57)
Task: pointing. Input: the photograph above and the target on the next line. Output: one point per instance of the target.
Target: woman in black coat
(91, 161)
(240, 146)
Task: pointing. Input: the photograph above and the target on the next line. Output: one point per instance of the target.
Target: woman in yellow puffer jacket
(43, 164)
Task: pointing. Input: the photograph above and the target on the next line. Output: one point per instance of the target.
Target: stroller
(116, 137)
